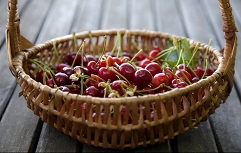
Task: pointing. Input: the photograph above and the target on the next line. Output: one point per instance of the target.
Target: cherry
(92, 91)
(83, 70)
(209, 72)
(153, 54)
(88, 58)
(117, 60)
(106, 74)
(127, 70)
(185, 67)
(142, 77)
(74, 90)
(50, 83)
(155, 47)
(93, 81)
(63, 88)
(178, 83)
(154, 68)
(183, 75)
(140, 56)
(93, 67)
(169, 72)
(61, 79)
(125, 59)
(40, 75)
(71, 57)
(144, 63)
(119, 86)
(61, 66)
(67, 70)
(199, 72)
(105, 60)
(158, 79)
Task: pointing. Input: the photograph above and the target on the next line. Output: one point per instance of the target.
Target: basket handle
(16, 42)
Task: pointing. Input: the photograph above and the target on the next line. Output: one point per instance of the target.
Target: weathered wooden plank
(59, 20)
(19, 127)
(115, 14)
(168, 18)
(199, 139)
(52, 140)
(141, 15)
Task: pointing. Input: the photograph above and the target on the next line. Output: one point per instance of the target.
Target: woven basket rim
(160, 96)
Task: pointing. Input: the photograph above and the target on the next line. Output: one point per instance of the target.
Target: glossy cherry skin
(93, 67)
(50, 83)
(92, 91)
(88, 58)
(119, 85)
(71, 56)
(142, 77)
(199, 72)
(40, 76)
(183, 75)
(158, 79)
(61, 66)
(153, 55)
(61, 79)
(140, 56)
(67, 70)
(144, 63)
(154, 68)
(127, 70)
(63, 88)
(106, 74)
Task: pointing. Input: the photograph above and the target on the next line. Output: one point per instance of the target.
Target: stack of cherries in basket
(121, 74)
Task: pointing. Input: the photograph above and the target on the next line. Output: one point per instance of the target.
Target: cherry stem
(74, 41)
(206, 52)
(136, 55)
(194, 53)
(153, 89)
(81, 47)
(119, 53)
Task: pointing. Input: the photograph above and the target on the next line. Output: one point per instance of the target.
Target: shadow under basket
(154, 117)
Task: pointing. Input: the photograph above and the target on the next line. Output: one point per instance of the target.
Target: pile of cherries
(127, 75)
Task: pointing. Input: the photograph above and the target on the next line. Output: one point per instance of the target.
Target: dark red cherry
(61, 66)
(88, 58)
(183, 75)
(50, 83)
(106, 74)
(41, 74)
(119, 85)
(127, 70)
(63, 88)
(154, 68)
(93, 67)
(144, 63)
(142, 77)
(61, 79)
(92, 91)
(67, 70)
(71, 57)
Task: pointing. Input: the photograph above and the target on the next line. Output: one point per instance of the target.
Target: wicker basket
(176, 111)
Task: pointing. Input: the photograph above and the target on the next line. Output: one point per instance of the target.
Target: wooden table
(21, 130)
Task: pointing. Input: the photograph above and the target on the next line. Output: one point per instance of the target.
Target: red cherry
(183, 75)
(61, 66)
(50, 83)
(71, 56)
(144, 63)
(142, 77)
(118, 86)
(74, 90)
(153, 54)
(199, 72)
(105, 60)
(93, 81)
(67, 70)
(106, 74)
(185, 67)
(40, 76)
(140, 56)
(125, 59)
(117, 60)
(93, 67)
(154, 68)
(61, 79)
(92, 91)
(88, 58)
(158, 79)
(209, 72)
(178, 83)
(127, 70)
(63, 88)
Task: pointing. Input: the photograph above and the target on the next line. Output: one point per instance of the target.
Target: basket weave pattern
(175, 111)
